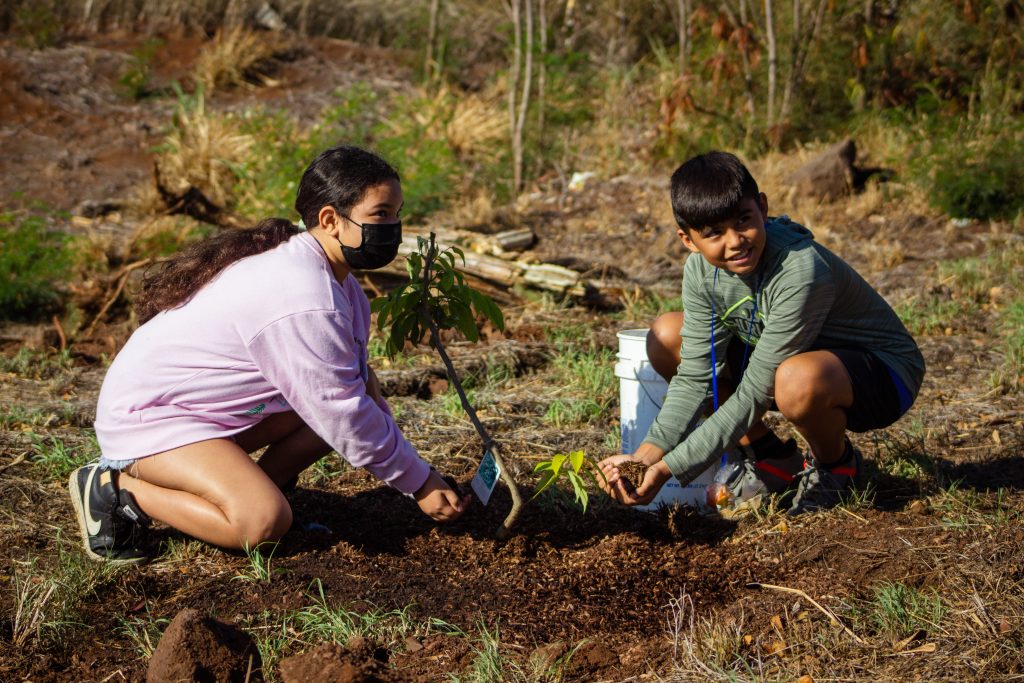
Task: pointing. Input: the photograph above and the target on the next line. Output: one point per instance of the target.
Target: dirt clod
(199, 648)
(357, 662)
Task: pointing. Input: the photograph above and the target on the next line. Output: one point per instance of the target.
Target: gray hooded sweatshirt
(807, 298)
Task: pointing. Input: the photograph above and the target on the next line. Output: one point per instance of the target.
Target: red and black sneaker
(769, 466)
(822, 488)
(112, 523)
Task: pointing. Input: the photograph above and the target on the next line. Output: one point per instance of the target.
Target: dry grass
(203, 150)
(233, 59)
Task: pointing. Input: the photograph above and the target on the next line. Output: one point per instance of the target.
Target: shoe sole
(76, 502)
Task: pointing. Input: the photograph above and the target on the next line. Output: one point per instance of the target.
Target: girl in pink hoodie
(251, 339)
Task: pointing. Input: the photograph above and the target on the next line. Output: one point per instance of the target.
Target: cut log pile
(495, 259)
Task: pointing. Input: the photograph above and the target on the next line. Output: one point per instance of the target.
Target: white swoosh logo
(91, 525)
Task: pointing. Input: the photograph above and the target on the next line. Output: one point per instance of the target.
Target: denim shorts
(108, 464)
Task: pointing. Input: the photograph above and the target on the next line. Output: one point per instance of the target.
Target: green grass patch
(143, 633)
(965, 508)
(323, 622)
(58, 459)
(47, 599)
(897, 610)
(259, 567)
(588, 385)
(35, 259)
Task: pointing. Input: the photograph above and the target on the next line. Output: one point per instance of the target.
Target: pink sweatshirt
(272, 332)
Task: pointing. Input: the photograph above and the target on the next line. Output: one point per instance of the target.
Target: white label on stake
(486, 478)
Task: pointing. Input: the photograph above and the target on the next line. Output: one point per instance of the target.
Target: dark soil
(593, 588)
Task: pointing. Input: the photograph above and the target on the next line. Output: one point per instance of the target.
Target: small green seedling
(437, 297)
(577, 467)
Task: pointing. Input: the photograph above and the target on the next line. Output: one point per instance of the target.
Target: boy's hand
(623, 490)
(438, 501)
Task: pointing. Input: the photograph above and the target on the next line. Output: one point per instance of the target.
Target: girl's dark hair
(708, 189)
(338, 177)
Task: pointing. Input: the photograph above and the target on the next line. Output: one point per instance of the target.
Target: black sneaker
(113, 526)
(822, 488)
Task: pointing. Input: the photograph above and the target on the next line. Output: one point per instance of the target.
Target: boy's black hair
(708, 189)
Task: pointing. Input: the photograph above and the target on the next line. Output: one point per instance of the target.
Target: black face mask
(379, 247)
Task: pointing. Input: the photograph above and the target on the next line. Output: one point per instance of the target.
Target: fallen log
(502, 271)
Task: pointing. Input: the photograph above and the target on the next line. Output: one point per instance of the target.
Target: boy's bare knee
(796, 390)
(664, 343)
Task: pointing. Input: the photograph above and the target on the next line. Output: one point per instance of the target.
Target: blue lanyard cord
(746, 347)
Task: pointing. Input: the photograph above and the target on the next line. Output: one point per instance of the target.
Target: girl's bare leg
(214, 491)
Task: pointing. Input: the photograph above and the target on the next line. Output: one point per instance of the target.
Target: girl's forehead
(387, 194)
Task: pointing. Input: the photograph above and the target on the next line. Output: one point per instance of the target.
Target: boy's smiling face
(735, 244)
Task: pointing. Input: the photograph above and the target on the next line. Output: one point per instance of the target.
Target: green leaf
(579, 488)
(447, 280)
(461, 255)
(576, 460)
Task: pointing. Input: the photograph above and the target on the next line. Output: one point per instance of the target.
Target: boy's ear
(684, 236)
(762, 201)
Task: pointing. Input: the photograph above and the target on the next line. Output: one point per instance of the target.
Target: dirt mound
(360, 661)
(198, 648)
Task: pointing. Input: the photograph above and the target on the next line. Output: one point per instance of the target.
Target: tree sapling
(437, 297)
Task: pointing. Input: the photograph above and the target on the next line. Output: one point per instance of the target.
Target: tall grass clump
(202, 150)
(35, 258)
(234, 57)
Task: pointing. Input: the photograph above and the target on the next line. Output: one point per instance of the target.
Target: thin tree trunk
(488, 443)
(430, 70)
(794, 56)
(304, 18)
(524, 100)
(683, 29)
(542, 67)
(513, 88)
(802, 45)
(773, 66)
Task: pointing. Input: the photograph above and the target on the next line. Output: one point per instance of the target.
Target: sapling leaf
(579, 488)
(464, 320)
(447, 280)
(576, 460)
(545, 482)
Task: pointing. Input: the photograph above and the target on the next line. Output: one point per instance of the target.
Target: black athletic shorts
(879, 395)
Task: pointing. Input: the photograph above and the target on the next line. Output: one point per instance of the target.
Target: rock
(199, 648)
(829, 175)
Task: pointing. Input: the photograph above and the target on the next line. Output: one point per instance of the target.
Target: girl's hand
(438, 501)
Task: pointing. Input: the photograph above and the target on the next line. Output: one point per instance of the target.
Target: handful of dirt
(633, 473)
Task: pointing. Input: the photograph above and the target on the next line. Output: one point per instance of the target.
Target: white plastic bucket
(641, 392)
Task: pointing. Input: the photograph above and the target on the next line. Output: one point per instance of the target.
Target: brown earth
(597, 589)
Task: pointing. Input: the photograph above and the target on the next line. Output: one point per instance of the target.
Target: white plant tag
(486, 478)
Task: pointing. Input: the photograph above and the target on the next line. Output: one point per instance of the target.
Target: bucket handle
(650, 398)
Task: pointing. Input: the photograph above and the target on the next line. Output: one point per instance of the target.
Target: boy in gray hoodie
(773, 320)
